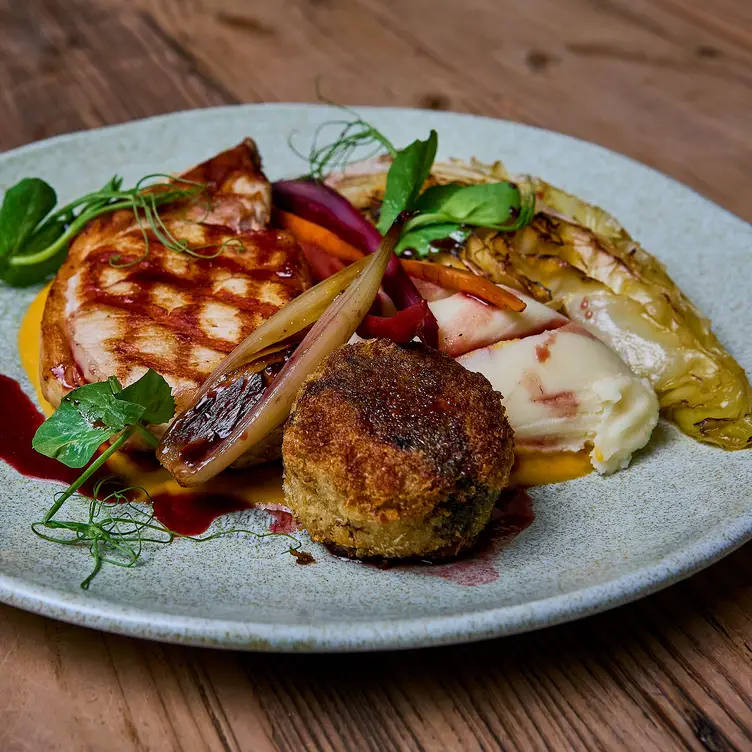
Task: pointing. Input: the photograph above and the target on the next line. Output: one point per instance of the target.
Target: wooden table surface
(668, 82)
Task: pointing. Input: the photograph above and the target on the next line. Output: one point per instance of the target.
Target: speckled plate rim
(397, 633)
(362, 636)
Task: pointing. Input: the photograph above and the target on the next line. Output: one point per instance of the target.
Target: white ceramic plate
(596, 542)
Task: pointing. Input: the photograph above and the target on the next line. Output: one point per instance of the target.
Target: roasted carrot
(451, 278)
(308, 232)
(448, 277)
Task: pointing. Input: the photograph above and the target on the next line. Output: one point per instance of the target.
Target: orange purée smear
(533, 468)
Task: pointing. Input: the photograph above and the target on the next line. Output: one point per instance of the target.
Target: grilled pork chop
(171, 311)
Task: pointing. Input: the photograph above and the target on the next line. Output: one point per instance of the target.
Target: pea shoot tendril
(120, 521)
(117, 528)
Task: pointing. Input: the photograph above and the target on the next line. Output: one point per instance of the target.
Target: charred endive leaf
(579, 259)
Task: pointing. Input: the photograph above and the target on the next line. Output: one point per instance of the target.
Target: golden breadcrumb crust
(395, 451)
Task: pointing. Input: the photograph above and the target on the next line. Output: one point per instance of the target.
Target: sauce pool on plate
(184, 512)
(17, 431)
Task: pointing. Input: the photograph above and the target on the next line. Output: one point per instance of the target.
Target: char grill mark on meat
(172, 312)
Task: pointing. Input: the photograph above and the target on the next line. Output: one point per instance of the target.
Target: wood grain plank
(66, 688)
(236, 698)
(729, 19)
(263, 44)
(75, 65)
(651, 81)
(653, 675)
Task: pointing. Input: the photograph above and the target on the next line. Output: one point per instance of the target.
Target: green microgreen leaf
(433, 199)
(67, 437)
(409, 171)
(119, 523)
(493, 205)
(85, 419)
(101, 403)
(94, 413)
(33, 242)
(421, 239)
(153, 393)
(355, 140)
(24, 206)
(441, 210)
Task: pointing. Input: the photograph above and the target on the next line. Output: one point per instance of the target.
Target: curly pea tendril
(116, 527)
(145, 203)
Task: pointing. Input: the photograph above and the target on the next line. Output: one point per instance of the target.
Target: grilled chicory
(577, 258)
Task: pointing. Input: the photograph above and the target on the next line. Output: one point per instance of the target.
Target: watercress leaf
(69, 438)
(424, 219)
(484, 205)
(433, 198)
(87, 417)
(99, 405)
(421, 239)
(24, 206)
(23, 276)
(406, 177)
(153, 393)
(115, 385)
